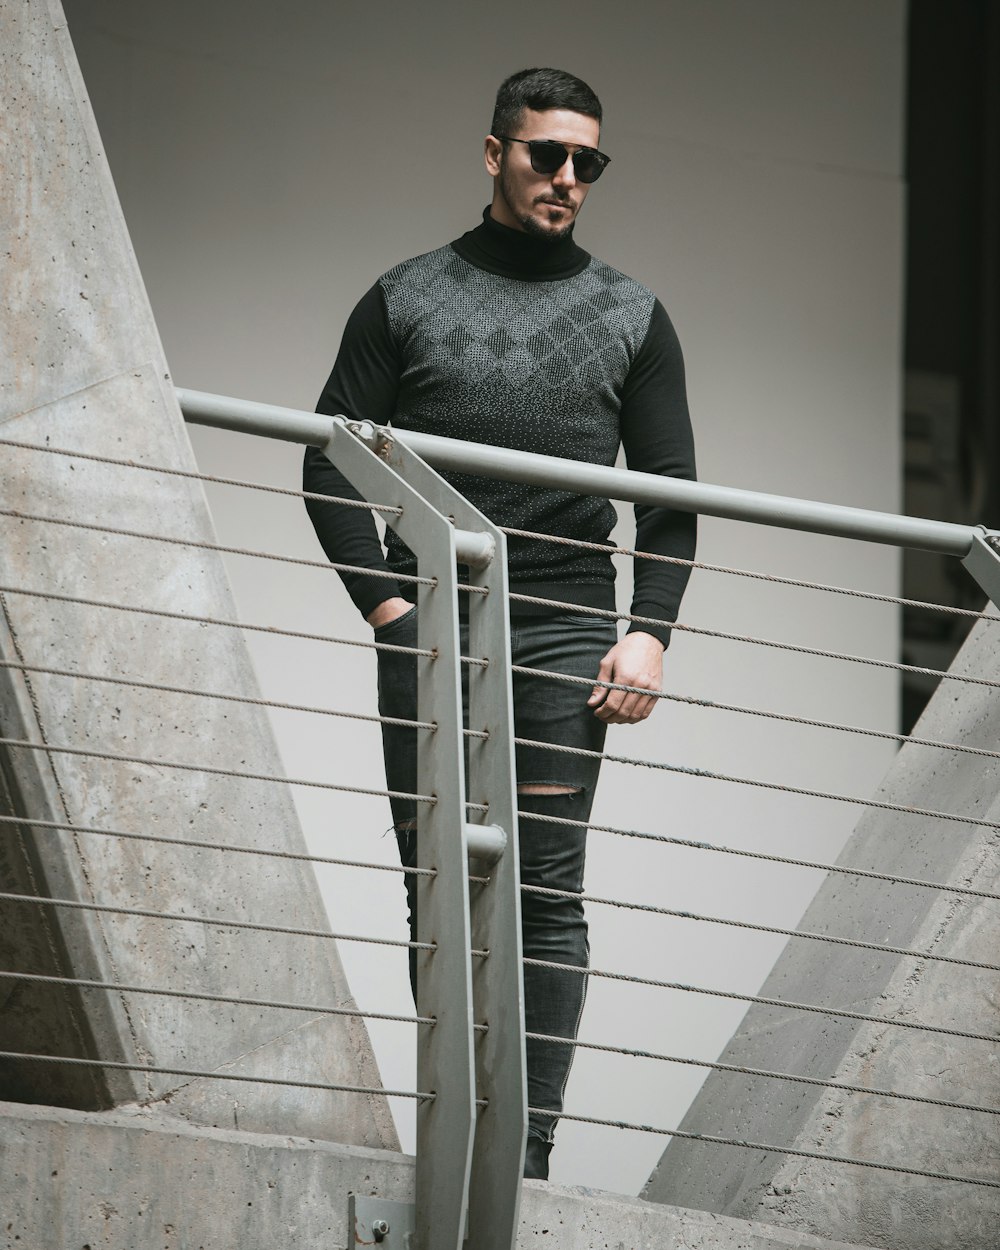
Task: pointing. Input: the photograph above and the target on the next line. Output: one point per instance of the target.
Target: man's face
(545, 205)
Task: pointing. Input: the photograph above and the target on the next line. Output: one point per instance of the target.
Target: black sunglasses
(547, 156)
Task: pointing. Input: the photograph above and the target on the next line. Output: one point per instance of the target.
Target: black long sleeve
(657, 438)
(362, 386)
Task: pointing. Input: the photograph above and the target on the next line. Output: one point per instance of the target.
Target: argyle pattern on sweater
(538, 366)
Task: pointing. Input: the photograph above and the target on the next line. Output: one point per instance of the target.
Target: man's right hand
(388, 610)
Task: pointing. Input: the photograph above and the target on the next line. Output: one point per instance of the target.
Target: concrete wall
(876, 1207)
(273, 160)
(121, 1181)
(83, 368)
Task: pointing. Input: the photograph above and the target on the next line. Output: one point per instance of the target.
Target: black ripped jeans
(552, 855)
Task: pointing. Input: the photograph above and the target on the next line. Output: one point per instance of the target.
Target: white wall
(273, 160)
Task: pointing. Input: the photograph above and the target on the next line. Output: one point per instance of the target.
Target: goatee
(538, 231)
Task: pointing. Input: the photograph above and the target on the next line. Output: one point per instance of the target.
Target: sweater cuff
(658, 626)
(369, 592)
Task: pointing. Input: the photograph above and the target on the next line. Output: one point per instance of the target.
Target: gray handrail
(730, 502)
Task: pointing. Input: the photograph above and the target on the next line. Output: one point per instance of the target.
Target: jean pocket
(585, 618)
(399, 622)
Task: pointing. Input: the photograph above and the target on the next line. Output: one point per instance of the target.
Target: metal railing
(472, 1108)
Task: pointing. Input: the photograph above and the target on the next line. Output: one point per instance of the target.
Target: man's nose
(565, 175)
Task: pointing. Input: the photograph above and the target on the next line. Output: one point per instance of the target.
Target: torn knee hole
(544, 788)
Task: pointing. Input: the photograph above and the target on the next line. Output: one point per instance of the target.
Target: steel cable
(198, 1074)
(817, 652)
(195, 844)
(213, 478)
(233, 1001)
(277, 704)
(799, 791)
(221, 922)
(715, 1140)
(798, 583)
(319, 1010)
(214, 771)
(549, 675)
(762, 1000)
(740, 1070)
(274, 630)
(670, 840)
(711, 704)
(861, 731)
(653, 909)
(221, 549)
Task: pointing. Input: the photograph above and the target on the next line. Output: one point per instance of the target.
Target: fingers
(636, 661)
(627, 707)
(600, 693)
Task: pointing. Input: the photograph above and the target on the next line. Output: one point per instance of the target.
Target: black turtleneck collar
(515, 254)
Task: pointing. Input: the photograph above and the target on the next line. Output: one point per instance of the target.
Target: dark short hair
(541, 89)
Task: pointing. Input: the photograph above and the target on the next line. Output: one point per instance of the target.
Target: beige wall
(273, 160)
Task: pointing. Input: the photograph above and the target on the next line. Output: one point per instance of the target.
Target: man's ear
(493, 153)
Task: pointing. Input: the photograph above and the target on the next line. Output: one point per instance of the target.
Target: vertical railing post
(459, 1188)
(498, 1159)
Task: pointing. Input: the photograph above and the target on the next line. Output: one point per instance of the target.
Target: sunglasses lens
(589, 165)
(547, 156)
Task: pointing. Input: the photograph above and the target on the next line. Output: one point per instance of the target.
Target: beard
(538, 231)
(531, 225)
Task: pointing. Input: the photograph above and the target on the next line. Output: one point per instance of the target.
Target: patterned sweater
(506, 339)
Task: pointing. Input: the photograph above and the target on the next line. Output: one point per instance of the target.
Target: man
(514, 336)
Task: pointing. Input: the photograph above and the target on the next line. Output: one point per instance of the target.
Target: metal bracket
(469, 1162)
(375, 1221)
(983, 562)
(477, 550)
(485, 842)
(377, 438)
(445, 1056)
(498, 994)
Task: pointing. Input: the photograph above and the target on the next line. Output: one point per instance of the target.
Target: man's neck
(514, 253)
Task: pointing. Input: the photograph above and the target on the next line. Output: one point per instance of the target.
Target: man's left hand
(635, 661)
